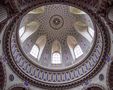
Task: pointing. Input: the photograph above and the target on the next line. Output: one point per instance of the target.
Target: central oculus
(56, 22)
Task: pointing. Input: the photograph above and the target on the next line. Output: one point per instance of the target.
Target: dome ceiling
(56, 36)
(56, 45)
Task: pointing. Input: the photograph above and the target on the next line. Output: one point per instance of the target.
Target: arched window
(39, 10)
(56, 58)
(91, 32)
(78, 51)
(34, 51)
(27, 30)
(21, 31)
(72, 42)
(76, 11)
(41, 42)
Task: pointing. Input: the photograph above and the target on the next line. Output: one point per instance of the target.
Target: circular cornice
(58, 79)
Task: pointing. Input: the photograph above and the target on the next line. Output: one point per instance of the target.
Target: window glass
(91, 32)
(21, 31)
(34, 51)
(56, 59)
(78, 51)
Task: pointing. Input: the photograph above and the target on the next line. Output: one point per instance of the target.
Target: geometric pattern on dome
(57, 22)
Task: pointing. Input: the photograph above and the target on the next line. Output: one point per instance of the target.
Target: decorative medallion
(11, 77)
(56, 22)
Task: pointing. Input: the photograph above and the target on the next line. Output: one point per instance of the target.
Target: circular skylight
(56, 36)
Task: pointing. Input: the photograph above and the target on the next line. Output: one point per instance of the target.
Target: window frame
(78, 48)
(23, 31)
(37, 53)
(59, 61)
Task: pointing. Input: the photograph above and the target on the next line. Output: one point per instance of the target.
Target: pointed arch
(86, 31)
(39, 10)
(27, 30)
(75, 49)
(41, 41)
(56, 53)
(71, 41)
